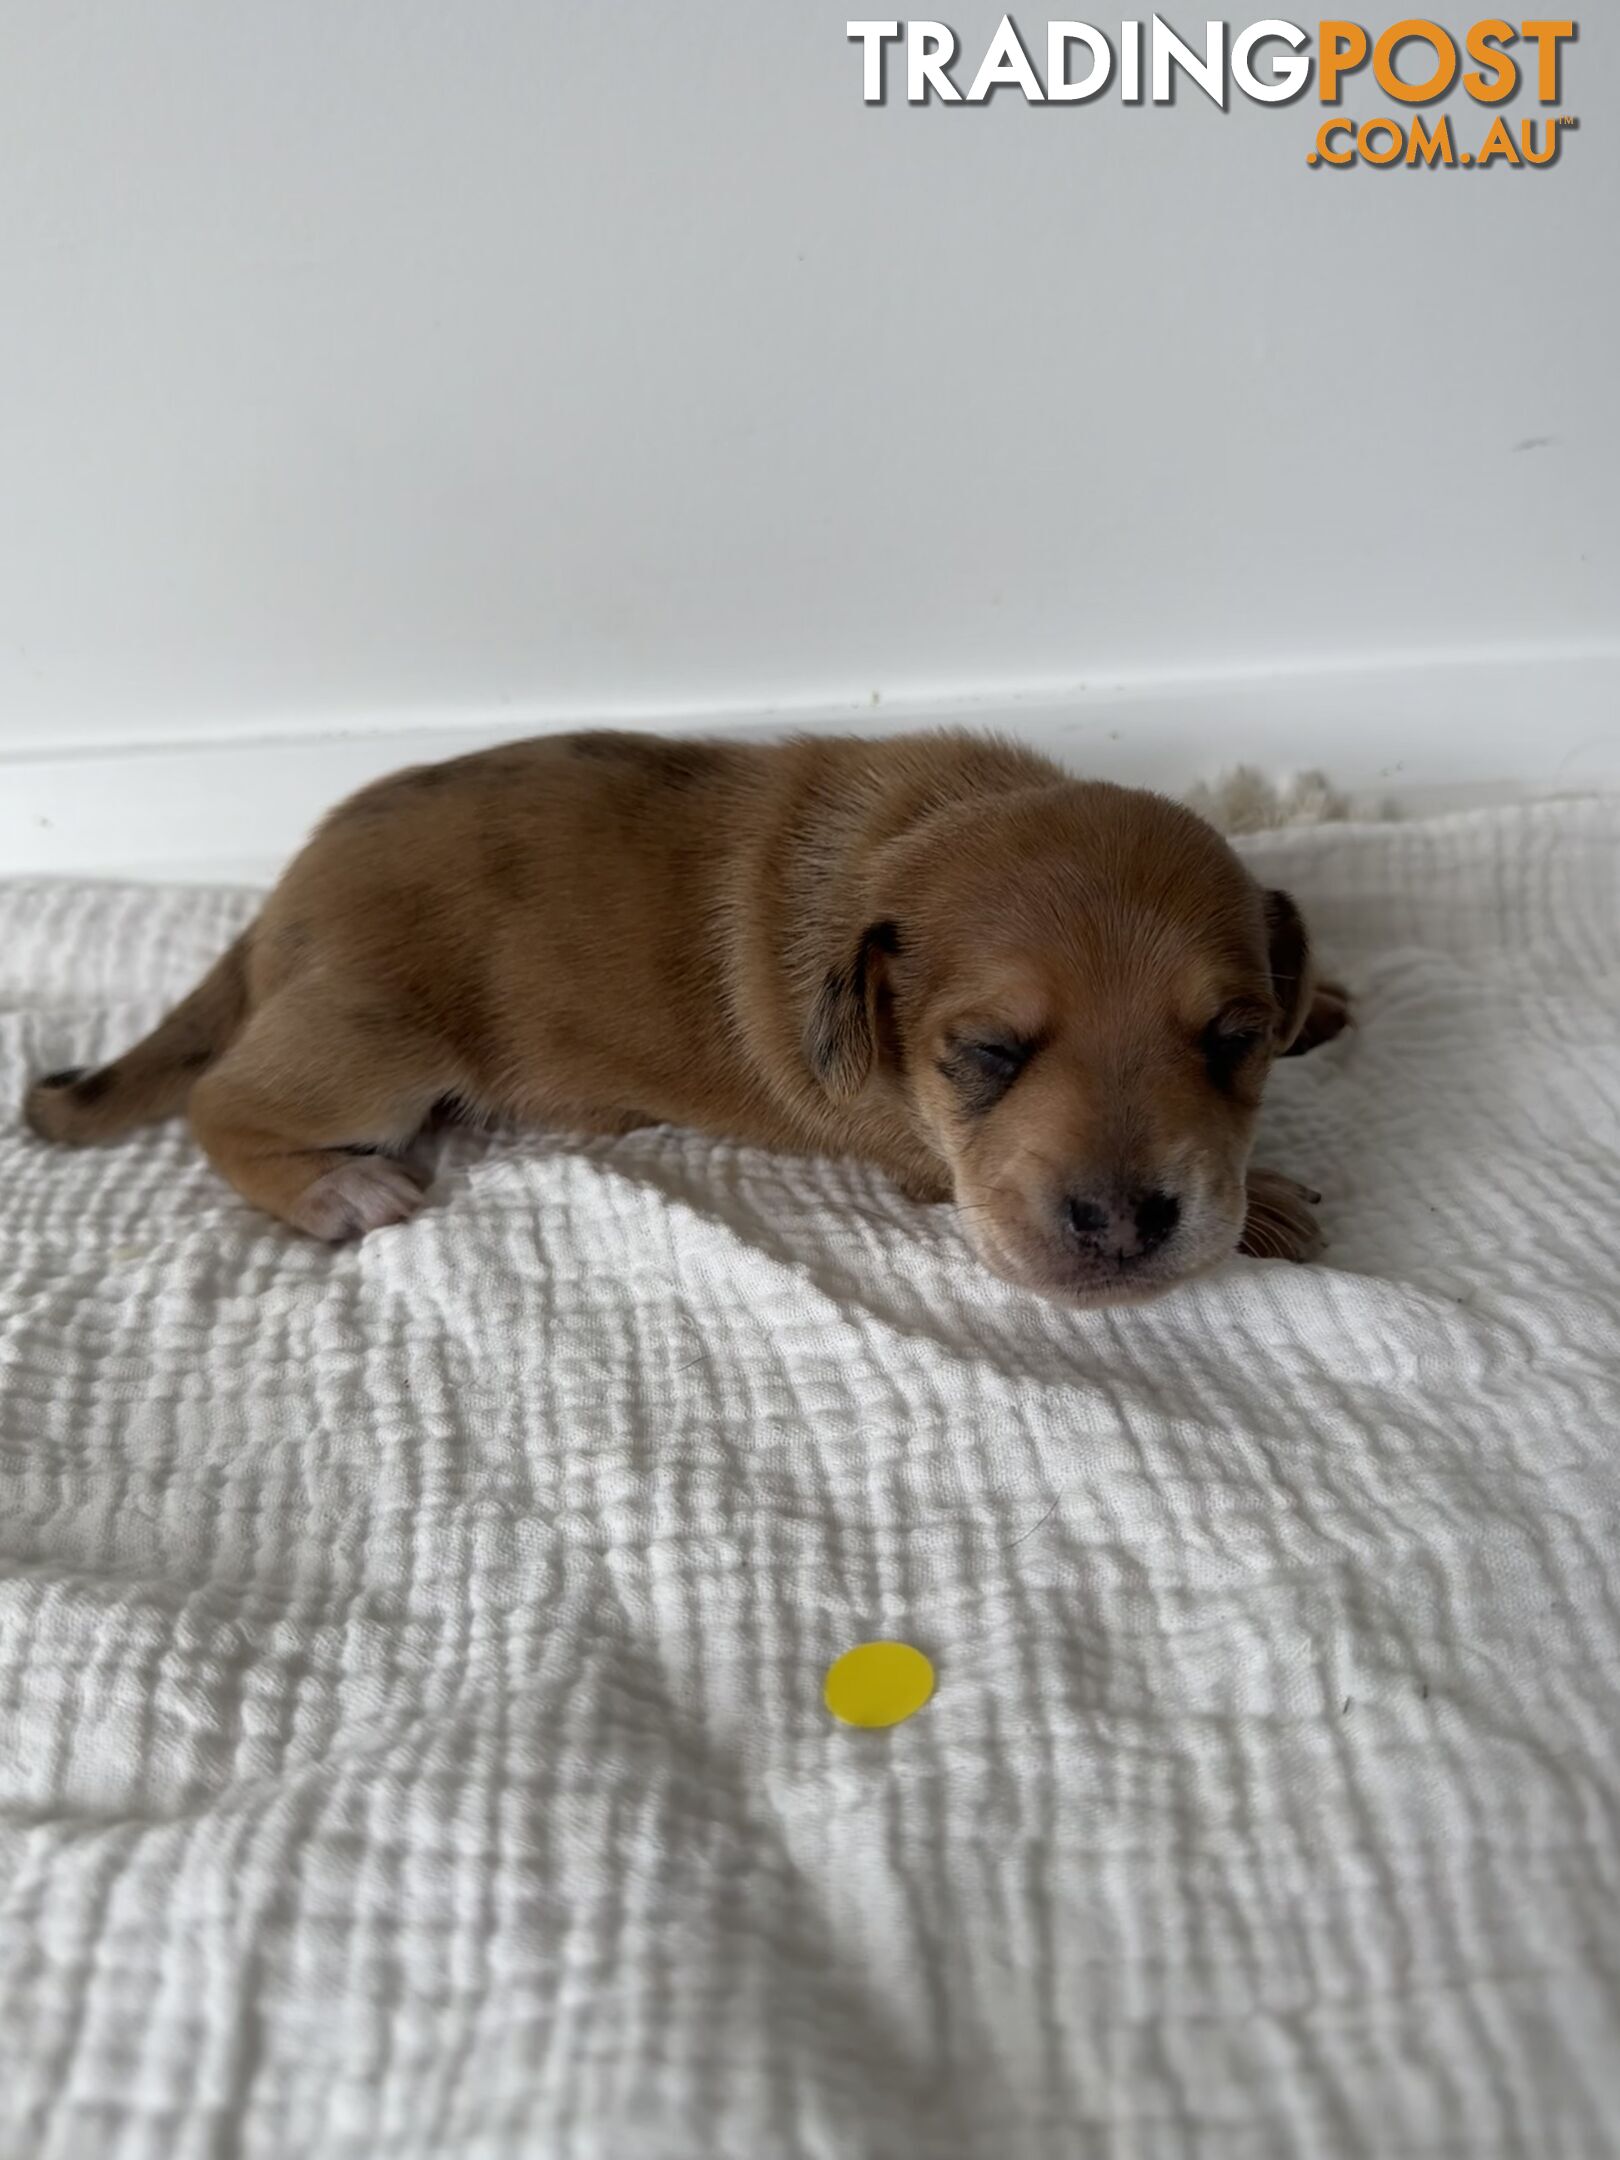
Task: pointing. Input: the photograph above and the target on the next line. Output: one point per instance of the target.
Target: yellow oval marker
(878, 1683)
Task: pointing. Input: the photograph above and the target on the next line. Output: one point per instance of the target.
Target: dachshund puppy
(1052, 1001)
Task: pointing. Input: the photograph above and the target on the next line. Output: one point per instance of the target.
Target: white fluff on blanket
(410, 1727)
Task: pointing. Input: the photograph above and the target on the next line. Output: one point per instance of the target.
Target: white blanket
(410, 1728)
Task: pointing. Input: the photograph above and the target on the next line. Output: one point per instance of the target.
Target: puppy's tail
(154, 1079)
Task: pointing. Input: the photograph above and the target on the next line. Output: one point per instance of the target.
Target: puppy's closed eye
(1231, 1043)
(983, 1068)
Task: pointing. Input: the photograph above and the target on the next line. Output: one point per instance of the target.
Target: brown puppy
(1053, 1001)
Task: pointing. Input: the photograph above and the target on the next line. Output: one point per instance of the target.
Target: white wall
(399, 363)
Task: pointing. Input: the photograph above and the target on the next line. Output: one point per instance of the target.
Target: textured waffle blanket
(410, 1656)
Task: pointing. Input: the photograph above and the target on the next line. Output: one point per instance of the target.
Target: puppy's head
(1079, 990)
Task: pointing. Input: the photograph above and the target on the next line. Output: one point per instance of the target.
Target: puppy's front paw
(1280, 1224)
(361, 1193)
(1330, 1015)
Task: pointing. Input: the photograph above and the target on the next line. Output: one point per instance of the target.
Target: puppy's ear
(841, 1029)
(1291, 975)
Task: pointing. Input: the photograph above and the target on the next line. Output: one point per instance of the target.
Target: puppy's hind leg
(303, 1113)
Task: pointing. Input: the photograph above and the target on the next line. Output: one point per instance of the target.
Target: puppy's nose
(1121, 1226)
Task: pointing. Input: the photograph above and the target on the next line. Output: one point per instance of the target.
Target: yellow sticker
(878, 1683)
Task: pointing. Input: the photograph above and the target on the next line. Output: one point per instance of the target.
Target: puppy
(1052, 1001)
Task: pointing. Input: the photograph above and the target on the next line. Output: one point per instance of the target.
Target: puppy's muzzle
(1116, 1229)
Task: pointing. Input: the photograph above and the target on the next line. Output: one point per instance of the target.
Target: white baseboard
(1445, 732)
